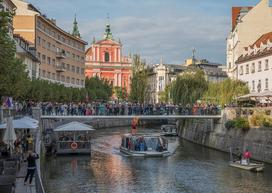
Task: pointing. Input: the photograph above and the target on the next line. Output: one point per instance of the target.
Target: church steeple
(75, 29)
(108, 34)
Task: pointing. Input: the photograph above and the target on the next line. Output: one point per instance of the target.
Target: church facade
(104, 59)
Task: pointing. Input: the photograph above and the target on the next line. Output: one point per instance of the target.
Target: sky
(152, 28)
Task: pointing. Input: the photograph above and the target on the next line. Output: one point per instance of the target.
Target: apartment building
(62, 55)
(255, 64)
(248, 24)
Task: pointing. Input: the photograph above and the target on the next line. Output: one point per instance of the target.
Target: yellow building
(62, 55)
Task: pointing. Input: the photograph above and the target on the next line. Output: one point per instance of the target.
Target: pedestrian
(247, 156)
(31, 166)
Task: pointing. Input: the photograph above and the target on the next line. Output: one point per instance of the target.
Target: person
(31, 166)
(29, 143)
(247, 156)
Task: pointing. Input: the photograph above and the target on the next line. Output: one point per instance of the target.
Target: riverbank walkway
(19, 185)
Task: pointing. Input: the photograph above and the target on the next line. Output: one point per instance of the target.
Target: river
(191, 169)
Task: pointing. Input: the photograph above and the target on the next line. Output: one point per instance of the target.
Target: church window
(107, 57)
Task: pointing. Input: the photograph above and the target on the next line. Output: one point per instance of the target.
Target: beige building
(8, 5)
(62, 55)
(248, 24)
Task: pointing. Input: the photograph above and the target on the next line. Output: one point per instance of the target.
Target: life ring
(74, 145)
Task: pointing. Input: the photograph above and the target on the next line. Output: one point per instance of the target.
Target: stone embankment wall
(213, 134)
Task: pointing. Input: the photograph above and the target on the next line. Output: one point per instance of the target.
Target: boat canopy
(74, 126)
(23, 123)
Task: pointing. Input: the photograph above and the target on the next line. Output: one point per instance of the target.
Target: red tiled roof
(263, 39)
(235, 15)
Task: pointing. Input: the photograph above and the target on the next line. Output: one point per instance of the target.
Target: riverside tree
(189, 87)
(12, 71)
(225, 92)
(139, 80)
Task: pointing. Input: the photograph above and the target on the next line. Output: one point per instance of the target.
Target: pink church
(104, 59)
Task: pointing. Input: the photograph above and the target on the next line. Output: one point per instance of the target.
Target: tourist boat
(73, 138)
(144, 145)
(169, 130)
(254, 167)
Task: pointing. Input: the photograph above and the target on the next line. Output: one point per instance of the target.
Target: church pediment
(108, 42)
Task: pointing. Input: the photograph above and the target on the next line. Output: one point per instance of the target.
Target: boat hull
(144, 153)
(250, 167)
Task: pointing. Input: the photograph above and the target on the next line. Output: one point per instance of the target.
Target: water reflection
(191, 169)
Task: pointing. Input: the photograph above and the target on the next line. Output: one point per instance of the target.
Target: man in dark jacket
(31, 166)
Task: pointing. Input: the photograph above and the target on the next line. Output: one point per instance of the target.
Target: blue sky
(152, 28)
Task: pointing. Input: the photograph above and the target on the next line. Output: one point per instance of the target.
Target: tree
(120, 93)
(12, 71)
(97, 89)
(225, 92)
(139, 80)
(164, 96)
(189, 87)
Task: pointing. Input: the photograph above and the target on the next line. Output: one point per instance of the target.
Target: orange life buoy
(74, 145)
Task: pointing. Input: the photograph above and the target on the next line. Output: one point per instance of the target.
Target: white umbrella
(9, 136)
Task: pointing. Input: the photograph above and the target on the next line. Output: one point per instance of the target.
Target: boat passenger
(247, 156)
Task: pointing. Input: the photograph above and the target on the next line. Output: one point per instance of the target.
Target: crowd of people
(126, 108)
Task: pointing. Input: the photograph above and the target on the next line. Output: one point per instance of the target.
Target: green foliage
(164, 96)
(230, 124)
(225, 92)
(189, 87)
(12, 71)
(98, 89)
(260, 119)
(241, 123)
(120, 93)
(139, 80)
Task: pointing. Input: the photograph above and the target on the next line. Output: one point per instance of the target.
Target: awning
(23, 123)
(265, 94)
(74, 126)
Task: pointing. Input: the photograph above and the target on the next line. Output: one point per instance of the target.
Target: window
(253, 85)
(73, 68)
(68, 67)
(241, 70)
(73, 80)
(82, 58)
(62, 78)
(266, 64)
(107, 57)
(48, 60)
(43, 43)
(266, 84)
(68, 79)
(259, 66)
(253, 68)
(48, 45)
(82, 71)
(77, 57)
(53, 62)
(39, 55)
(74, 56)
(77, 81)
(77, 70)
(39, 40)
(43, 58)
(259, 87)
(247, 69)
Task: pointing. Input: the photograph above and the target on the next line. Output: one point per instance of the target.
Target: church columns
(120, 80)
(98, 58)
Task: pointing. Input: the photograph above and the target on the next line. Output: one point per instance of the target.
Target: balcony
(61, 54)
(60, 68)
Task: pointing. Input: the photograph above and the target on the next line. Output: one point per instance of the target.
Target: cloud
(172, 38)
